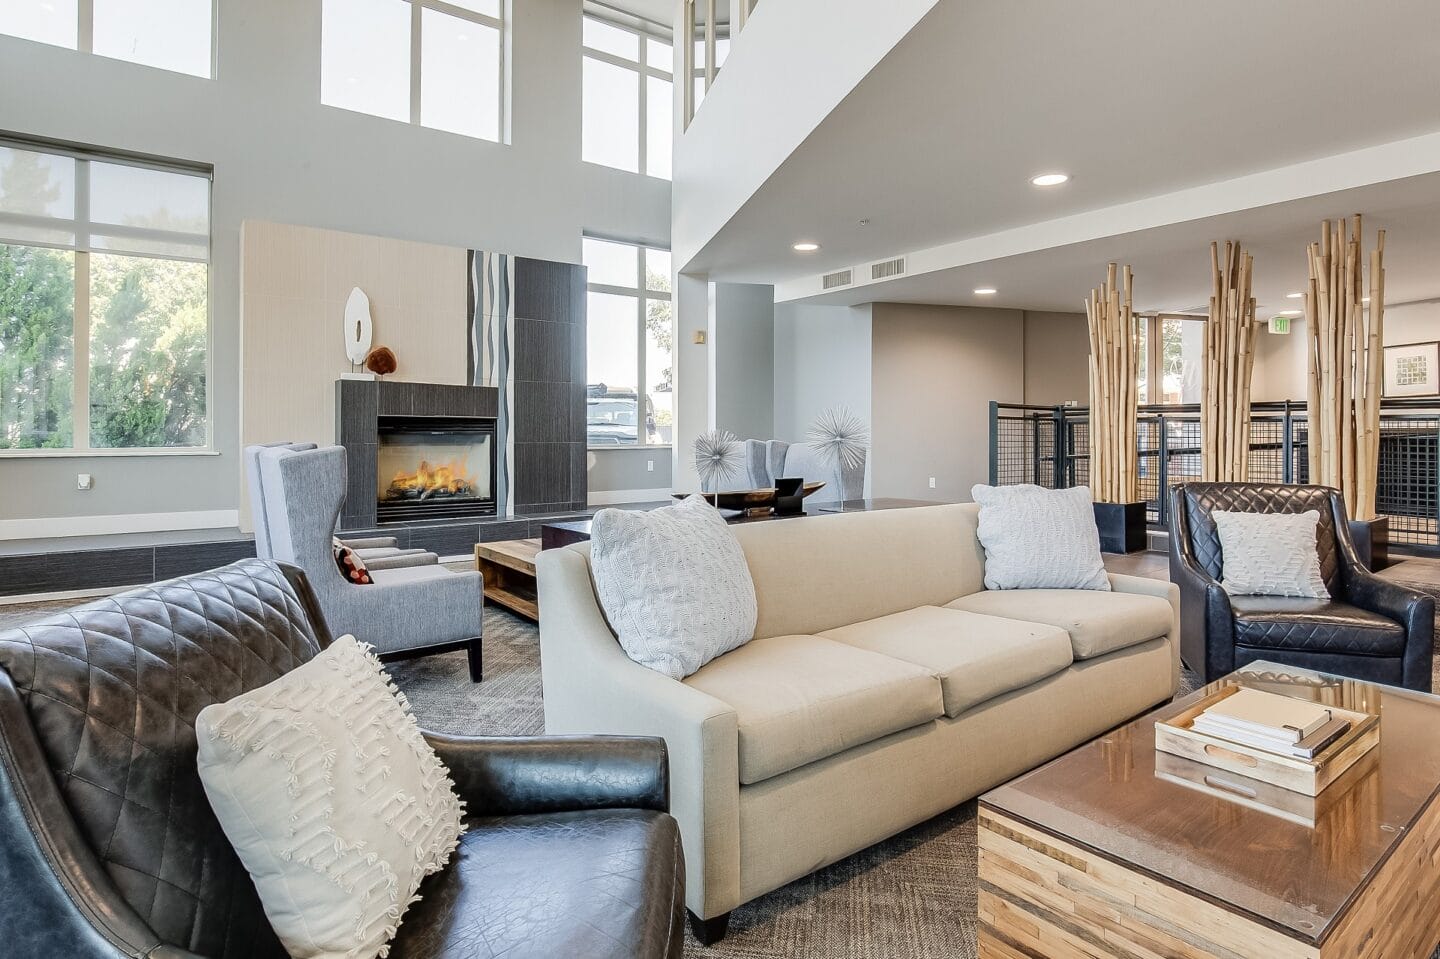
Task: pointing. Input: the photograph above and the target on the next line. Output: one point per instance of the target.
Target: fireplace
(434, 468)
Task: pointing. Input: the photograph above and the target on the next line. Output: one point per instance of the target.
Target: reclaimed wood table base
(508, 568)
(1097, 854)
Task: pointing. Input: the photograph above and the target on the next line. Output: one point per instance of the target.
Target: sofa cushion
(1315, 626)
(975, 657)
(1098, 622)
(802, 698)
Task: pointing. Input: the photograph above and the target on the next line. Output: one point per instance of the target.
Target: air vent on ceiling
(839, 278)
(887, 268)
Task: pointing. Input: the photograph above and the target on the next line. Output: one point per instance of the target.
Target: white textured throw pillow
(1270, 554)
(674, 584)
(333, 800)
(1038, 538)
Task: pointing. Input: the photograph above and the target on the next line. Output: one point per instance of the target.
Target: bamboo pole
(1110, 311)
(1344, 342)
(1229, 364)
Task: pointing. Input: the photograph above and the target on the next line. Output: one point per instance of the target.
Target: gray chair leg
(473, 654)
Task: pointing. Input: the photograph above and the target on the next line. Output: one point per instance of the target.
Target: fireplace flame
(428, 480)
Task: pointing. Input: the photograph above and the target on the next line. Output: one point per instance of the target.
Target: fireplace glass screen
(434, 473)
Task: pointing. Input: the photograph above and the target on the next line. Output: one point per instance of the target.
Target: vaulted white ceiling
(1144, 104)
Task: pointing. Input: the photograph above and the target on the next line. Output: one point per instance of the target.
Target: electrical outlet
(84, 481)
(932, 482)
(649, 466)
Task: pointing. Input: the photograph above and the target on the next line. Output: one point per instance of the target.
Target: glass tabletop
(1288, 860)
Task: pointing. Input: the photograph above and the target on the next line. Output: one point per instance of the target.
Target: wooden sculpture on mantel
(1113, 390)
(1346, 363)
(1229, 363)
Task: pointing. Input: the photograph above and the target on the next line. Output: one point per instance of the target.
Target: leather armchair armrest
(1207, 627)
(1412, 609)
(505, 776)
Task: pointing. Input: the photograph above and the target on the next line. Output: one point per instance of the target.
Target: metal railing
(1050, 446)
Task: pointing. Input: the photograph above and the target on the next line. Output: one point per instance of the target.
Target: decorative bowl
(749, 499)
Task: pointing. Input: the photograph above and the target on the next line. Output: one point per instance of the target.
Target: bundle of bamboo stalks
(1229, 362)
(1344, 341)
(1113, 390)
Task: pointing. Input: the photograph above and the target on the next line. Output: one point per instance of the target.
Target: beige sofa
(884, 685)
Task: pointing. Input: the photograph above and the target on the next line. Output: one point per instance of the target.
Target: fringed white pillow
(333, 800)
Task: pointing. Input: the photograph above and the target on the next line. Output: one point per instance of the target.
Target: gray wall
(935, 371)
(280, 155)
(744, 347)
(614, 471)
(822, 359)
(1057, 350)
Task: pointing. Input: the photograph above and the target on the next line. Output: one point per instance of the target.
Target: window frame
(80, 320)
(642, 295)
(85, 39)
(500, 24)
(641, 67)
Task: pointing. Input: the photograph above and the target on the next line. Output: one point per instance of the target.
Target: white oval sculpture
(357, 326)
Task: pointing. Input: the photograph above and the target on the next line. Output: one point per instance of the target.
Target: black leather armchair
(1369, 629)
(108, 846)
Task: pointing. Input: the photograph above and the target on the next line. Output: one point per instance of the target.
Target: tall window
(1174, 345)
(436, 63)
(628, 111)
(104, 303)
(169, 34)
(630, 397)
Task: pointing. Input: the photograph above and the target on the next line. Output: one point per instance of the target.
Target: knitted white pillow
(1270, 554)
(674, 584)
(1037, 538)
(332, 799)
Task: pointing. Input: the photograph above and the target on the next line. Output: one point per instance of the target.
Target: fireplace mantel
(359, 405)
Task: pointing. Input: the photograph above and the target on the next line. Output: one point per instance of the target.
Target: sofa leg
(709, 931)
(472, 653)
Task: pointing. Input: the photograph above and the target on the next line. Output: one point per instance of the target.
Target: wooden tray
(1262, 796)
(1307, 777)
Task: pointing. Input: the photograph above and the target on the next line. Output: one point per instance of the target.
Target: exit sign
(1279, 324)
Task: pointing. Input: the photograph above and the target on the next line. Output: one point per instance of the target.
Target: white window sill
(629, 449)
(42, 454)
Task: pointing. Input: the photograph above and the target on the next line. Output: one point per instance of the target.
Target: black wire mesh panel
(1149, 447)
(1406, 489)
(1267, 449)
(1024, 447)
(1077, 460)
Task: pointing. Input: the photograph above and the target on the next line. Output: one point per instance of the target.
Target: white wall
(822, 359)
(280, 155)
(745, 359)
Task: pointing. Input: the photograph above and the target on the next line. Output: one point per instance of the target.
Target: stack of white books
(1274, 723)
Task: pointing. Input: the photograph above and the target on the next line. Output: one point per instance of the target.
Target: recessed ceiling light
(1293, 296)
(805, 246)
(1050, 179)
(985, 291)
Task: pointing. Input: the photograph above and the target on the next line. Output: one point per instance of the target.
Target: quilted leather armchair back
(1202, 499)
(111, 690)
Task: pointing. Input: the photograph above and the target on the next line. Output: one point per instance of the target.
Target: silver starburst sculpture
(717, 457)
(840, 438)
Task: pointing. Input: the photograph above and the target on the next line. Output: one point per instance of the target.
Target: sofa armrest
(505, 776)
(402, 560)
(371, 542)
(1412, 609)
(591, 686)
(1161, 589)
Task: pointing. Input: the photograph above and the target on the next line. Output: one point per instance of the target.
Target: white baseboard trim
(615, 496)
(45, 527)
(63, 594)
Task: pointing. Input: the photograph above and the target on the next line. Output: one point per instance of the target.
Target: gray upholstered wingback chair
(378, 552)
(405, 612)
(778, 459)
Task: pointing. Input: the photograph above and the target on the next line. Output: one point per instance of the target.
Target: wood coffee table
(508, 568)
(1111, 851)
